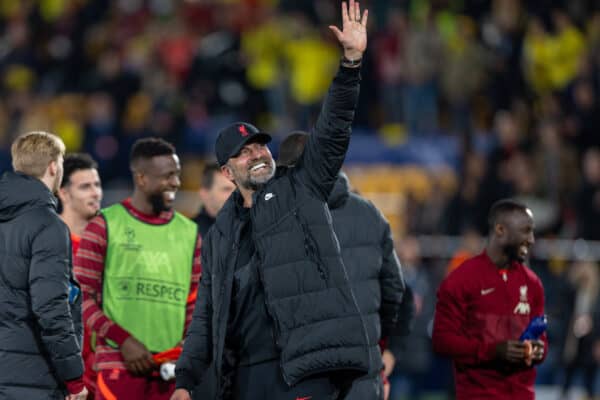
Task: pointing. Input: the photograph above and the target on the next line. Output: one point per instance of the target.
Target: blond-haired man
(40, 306)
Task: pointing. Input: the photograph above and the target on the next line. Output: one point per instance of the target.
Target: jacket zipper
(310, 247)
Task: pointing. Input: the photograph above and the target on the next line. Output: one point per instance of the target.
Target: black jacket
(40, 331)
(371, 262)
(318, 327)
(204, 222)
(375, 274)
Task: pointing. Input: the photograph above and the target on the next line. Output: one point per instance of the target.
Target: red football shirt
(477, 308)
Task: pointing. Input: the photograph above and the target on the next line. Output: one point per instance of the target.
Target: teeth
(258, 166)
(170, 195)
(524, 249)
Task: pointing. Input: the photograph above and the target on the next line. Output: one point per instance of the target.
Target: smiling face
(515, 234)
(159, 180)
(83, 193)
(252, 167)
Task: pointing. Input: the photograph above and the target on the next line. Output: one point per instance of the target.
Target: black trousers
(264, 381)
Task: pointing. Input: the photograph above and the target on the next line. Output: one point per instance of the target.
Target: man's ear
(62, 194)
(227, 172)
(52, 169)
(499, 230)
(138, 178)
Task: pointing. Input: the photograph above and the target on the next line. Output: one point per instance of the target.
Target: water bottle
(536, 327)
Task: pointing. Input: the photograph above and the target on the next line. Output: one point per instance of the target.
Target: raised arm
(327, 145)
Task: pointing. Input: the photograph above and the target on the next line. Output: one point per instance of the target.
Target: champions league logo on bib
(523, 306)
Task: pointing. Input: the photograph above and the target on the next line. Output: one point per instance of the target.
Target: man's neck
(247, 196)
(48, 181)
(75, 223)
(140, 203)
(498, 257)
(211, 211)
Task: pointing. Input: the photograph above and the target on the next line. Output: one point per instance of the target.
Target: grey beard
(255, 185)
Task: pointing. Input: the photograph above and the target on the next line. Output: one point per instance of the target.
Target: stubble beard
(255, 183)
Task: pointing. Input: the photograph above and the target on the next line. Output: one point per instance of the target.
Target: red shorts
(118, 384)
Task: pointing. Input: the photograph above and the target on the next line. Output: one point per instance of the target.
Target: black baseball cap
(232, 138)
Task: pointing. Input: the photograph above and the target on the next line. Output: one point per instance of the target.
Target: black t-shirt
(204, 222)
(250, 331)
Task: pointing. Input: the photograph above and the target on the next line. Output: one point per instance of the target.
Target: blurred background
(462, 103)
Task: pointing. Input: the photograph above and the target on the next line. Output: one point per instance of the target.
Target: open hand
(353, 35)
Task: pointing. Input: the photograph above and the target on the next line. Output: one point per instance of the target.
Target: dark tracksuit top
(40, 329)
(477, 309)
(375, 273)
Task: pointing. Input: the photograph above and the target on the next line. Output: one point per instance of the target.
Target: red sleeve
(75, 386)
(538, 309)
(450, 316)
(196, 274)
(88, 267)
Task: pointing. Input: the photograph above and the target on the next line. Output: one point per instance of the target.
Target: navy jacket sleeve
(49, 277)
(327, 144)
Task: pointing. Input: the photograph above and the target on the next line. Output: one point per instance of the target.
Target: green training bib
(147, 276)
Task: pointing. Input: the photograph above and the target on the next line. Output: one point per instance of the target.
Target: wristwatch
(351, 63)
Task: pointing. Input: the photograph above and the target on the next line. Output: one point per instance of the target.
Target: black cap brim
(260, 137)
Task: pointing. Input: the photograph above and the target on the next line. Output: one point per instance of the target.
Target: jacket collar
(340, 192)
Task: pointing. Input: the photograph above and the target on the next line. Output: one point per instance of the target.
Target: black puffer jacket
(375, 274)
(318, 327)
(39, 340)
(371, 262)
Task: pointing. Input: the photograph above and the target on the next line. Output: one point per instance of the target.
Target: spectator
(464, 73)
(583, 337)
(414, 355)
(423, 55)
(312, 61)
(390, 63)
(464, 210)
(584, 118)
(555, 163)
(588, 198)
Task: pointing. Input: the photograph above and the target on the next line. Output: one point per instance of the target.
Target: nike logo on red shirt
(304, 398)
